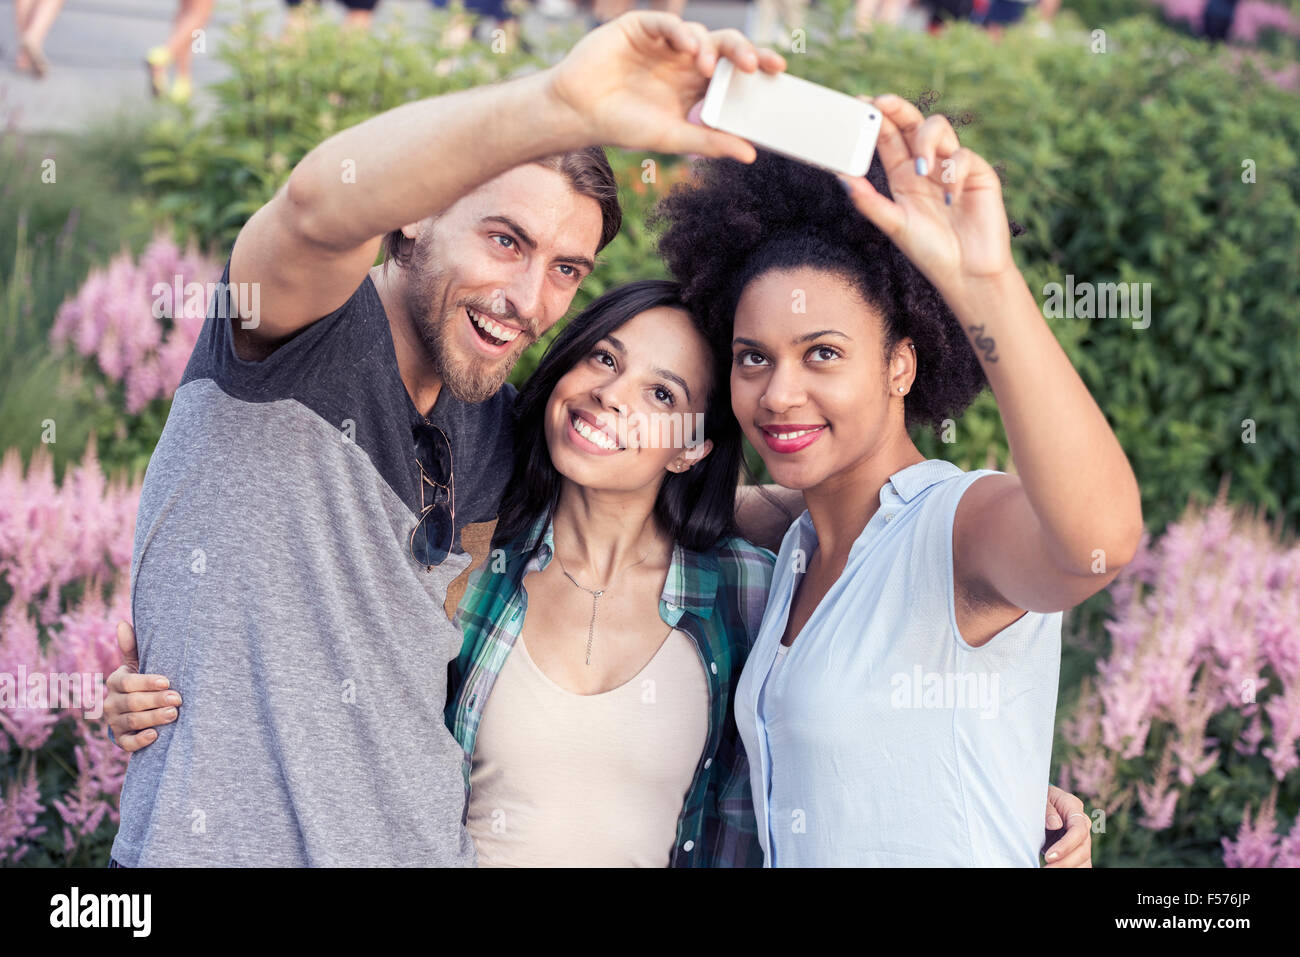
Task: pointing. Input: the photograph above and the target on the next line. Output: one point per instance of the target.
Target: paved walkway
(96, 51)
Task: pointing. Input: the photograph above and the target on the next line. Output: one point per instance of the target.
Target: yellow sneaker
(181, 90)
(156, 61)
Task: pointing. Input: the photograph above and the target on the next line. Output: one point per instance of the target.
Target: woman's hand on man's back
(136, 703)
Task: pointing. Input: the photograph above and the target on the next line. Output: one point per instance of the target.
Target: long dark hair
(696, 508)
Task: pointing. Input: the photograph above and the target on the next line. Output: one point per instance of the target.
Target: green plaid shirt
(715, 597)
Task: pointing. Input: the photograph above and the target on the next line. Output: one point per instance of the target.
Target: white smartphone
(793, 117)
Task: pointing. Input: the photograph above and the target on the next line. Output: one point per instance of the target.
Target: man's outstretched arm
(629, 83)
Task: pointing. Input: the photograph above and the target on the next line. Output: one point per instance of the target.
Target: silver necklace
(595, 596)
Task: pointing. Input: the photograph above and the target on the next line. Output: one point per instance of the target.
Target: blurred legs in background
(295, 17)
(33, 19)
(771, 22)
(178, 51)
(672, 6)
(993, 15)
(360, 15)
(483, 17)
(867, 13)
(605, 10)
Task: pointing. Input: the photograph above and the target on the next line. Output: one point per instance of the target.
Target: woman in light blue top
(898, 705)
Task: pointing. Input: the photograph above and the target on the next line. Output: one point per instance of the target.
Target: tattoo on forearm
(984, 343)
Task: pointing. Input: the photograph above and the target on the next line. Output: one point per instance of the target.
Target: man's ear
(690, 456)
(411, 230)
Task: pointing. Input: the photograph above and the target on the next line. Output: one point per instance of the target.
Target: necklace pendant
(599, 593)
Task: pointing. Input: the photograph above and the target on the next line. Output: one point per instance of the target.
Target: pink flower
(1205, 621)
(19, 810)
(127, 316)
(20, 656)
(1288, 851)
(1284, 716)
(1256, 845)
(101, 768)
(1255, 16)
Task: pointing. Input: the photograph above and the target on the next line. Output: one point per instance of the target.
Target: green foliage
(1094, 14)
(1127, 166)
(282, 98)
(58, 223)
(1124, 166)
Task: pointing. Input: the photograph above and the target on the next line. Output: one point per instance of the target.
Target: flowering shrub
(1193, 717)
(65, 557)
(1254, 17)
(138, 320)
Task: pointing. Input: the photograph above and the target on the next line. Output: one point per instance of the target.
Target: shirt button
(707, 762)
(889, 518)
(688, 845)
(713, 666)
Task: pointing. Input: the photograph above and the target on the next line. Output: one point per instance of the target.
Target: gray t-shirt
(272, 582)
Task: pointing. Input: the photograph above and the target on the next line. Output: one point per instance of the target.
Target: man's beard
(469, 378)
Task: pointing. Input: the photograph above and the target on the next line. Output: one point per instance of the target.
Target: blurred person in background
(867, 13)
(942, 11)
(360, 15)
(191, 17)
(994, 15)
(479, 17)
(774, 21)
(1218, 18)
(606, 10)
(33, 19)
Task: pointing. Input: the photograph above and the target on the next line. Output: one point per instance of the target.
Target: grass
(67, 203)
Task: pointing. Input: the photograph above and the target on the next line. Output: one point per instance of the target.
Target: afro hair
(733, 222)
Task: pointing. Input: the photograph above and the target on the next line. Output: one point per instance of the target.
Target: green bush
(1127, 166)
(59, 221)
(1094, 14)
(284, 97)
(1123, 166)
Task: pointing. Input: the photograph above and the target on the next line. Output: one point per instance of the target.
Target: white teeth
(493, 329)
(785, 436)
(595, 436)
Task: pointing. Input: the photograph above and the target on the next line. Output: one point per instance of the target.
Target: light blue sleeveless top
(881, 737)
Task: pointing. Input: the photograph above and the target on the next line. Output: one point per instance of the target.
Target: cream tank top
(567, 780)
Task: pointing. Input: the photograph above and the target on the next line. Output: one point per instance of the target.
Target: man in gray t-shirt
(275, 578)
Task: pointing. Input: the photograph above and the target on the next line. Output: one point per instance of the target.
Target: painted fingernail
(947, 199)
(922, 167)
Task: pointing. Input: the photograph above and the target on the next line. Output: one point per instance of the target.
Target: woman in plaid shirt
(598, 728)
